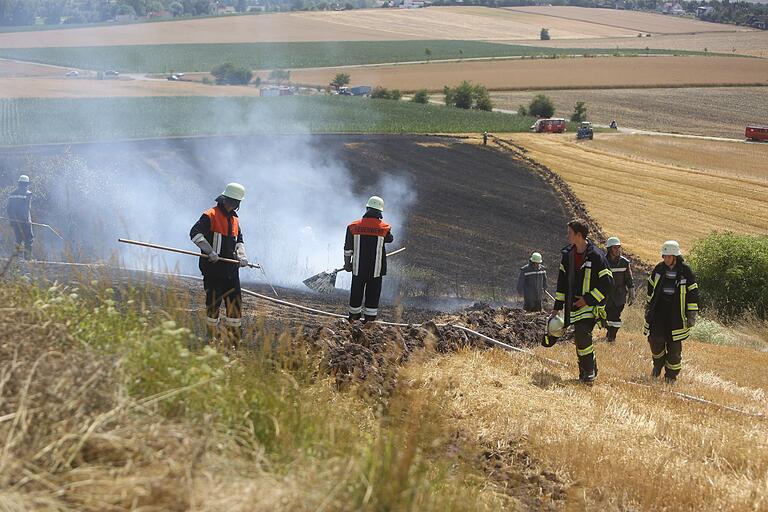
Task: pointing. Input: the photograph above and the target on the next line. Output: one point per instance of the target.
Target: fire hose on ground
(497, 343)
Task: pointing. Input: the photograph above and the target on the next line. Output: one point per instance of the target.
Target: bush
(421, 96)
(732, 272)
(229, 74)
(466, 96)
(579, 112)
(541, 106)
(544, 34)
(522, 110)
(383, 93)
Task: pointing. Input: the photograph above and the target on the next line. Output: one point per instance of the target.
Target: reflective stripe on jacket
(364, 243)
(593, 281)
(222, 230)
(622, 280)
(685, 299)
(531, 283)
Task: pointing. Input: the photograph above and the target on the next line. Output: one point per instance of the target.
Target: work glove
(240, 253)
(347, 264)
(207, 249)
(691, 316)
(631, 299)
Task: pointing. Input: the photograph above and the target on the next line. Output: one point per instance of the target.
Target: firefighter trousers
(532, 305)
(613, 319)
(366, 289)
(585, 348)
(666, 353)
(224, 290)
(24, 237)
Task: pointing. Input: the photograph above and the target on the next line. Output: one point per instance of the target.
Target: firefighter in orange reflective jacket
(366, 258)
(218, 235)
(671, 306)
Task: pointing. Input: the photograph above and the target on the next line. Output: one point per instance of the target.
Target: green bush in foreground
(732, 271)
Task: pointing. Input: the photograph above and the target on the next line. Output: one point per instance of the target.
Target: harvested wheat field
(10, 68)
(89, 88)
(470, 23)
(753, 42)
(554, 73)
(711, 111)
(634, 196)
(615, 446)
(626, 20)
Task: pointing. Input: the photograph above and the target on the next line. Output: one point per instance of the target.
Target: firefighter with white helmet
(218, 235)
(623, 287)
(532, 283)
(672, 303)
(366, 258)
(20, 216)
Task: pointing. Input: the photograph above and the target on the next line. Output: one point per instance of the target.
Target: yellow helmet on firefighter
(612, 242)
(376, 203)
(234, 191)
(536, 258)
(670, 248)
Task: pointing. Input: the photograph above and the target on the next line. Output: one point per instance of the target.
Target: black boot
(656, 371)
(611, 336)
(353, 317)
(587, 370)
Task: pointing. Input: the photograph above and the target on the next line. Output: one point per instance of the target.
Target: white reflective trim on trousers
(613, 324)
(212, 321)
(379, 256)
(233, 322)
(356, 255)
(355, 311)
(371, 311)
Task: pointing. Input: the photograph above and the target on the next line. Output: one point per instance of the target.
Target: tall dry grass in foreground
(108, 403)
(621, 446)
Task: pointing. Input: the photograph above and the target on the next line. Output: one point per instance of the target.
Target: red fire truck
(756, 132)
(554, 125)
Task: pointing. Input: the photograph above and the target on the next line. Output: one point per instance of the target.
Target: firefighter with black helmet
(672, 303)
(218, 235)
(583, 282)
(366, 258)
(623, 287)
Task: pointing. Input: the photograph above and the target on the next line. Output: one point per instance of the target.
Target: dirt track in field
(11, 68)
(468, 23)
(602, 72)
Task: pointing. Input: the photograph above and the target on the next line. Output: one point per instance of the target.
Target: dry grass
(468, 23)
(644, 201)
(712, 111)
(9, 68)
(554, 73)
(753, 42)
(619, 446)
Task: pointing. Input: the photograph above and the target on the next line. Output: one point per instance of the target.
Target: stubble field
(711, 111)
(649, 189)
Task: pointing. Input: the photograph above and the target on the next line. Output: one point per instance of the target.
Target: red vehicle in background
(756, 132)
(554, 125)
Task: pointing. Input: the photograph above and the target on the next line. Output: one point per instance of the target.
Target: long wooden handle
(180, 251)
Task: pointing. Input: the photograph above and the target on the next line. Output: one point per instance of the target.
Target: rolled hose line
(497, 343)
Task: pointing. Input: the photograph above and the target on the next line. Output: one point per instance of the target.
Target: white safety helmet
(376, 203)
(536, 258)
(23, 178)
(670, 248)
(612, 242)
(556, 326)
(234, 191)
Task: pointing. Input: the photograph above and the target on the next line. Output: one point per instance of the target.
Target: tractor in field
(585, 131)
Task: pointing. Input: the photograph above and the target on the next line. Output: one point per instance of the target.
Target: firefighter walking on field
(532, 283)
(20, 216)
(366, 257)
(623, 287)
(218, 235)
(672, 303)
(583, 282)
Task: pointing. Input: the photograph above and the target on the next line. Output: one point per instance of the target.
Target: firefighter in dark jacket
(583, 282)
(366, 258)
(672, 303)
(20, 216)
(623, 287)
(532, 283)
(218, 235)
